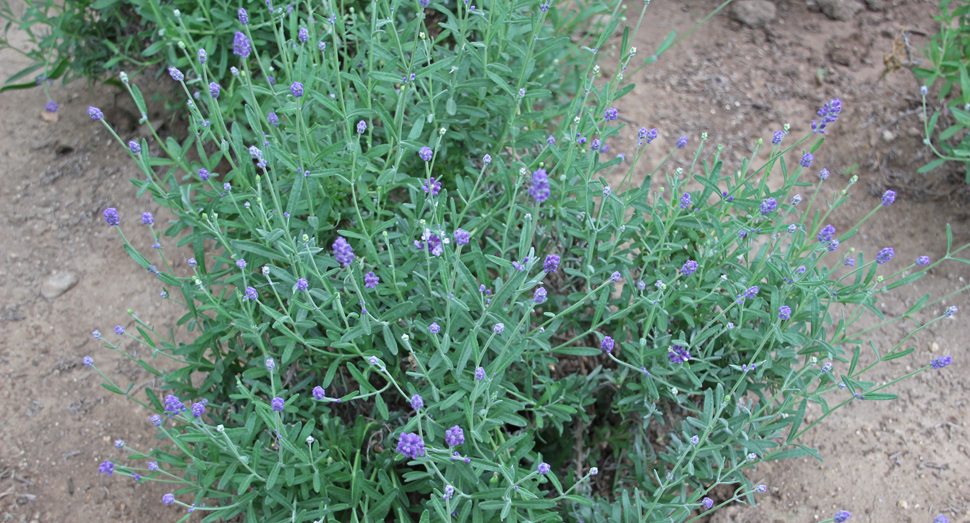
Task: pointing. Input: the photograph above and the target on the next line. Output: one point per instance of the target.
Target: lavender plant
(403, 307)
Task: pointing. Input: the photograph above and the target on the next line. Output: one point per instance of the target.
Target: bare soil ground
(900, 461)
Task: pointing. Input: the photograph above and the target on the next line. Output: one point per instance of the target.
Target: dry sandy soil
(900, 461)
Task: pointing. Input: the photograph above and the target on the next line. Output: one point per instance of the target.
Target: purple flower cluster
(431, 186)
(540, 296)
(95, 113)
(173, 406)
(688, 268)
(251, 294)
(461, 237)
(240, 45)
(277, 404)
(134, 146)
(176, 74)
(411, 445)
(841, 516)
(832, 245)
(371, 280)
(644, 134)
(829, 113)
(214, 89)
(708, 503)
(823, 174)
(479, 374)
(454, 436)
(417, 402)
(826, 233)
(361, 127)
(111, 216)
(768, 206)
(807, 160)
(302, 284)
(106, 468)
(303, 35)
(319, 393)
(678, 354)
(888, 198)
(51, 106)
(296, 89)
(611, 114)
(551, 263)
(939, 363)
(539, 190)
(885, 255)
(776, 139)
(198, 409)
(342, 251)
(607, 344)
(923, 260)
(685, 200)
(425, 153)
(682, 142)
(434, 328)
(543, 468)
(784, 312)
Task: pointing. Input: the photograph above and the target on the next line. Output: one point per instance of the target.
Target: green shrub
(948, 52)
(387, 266)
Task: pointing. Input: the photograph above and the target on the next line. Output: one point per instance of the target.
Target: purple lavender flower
(106, 468)
(551, 263)
(250, 294)
(940, 518)
(479, 374)
(616, 276)
(688, 268)
(277, 404)
(950, 311)
(832, 245)
(203, 56)
(273, 119)
(371, 280)
(923, 260)
(417, 402)
(784, 312)
(241, 263)
(361, 127)
(296, 89)
(302, 284)
(540, 296)
(111, 216)
(431, 186)
(303, 35)
(807, 160)
(342, 251)
(243, 16)
(425, 153)
(461, 237)
(498, 328)
(204, 174)
(168, 499)
(841, 516)
(176, 74)
(156, 420)
(641, 285)
(551, 140)
(449, 492)
(826, 233)
(411, 445)
(607, 344)
(682, 142)
(271, 80)
(434, 328)
(751, 292)
(829, 113)
(768, 206)
(319, 393)
(797, 199)
(147, 218)
(119, 330)
(678, 354)
(823, 174)
(849, 262)
(214, 89)
(611, 114)
(544, 467)
(173, 406)
(651, 135)
(685, 200)
(760, 488)
(88, 361)
(95, 113)
(270, 364)
(51, 106)
(884, 255)
(708, 503)
(539, 190)
(888, 198)
(198, 409)
(152, 465)
(454, 436)
(240, 45)
(776, 139)
(487, 159)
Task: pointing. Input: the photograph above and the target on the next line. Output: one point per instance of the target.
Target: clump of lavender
(832, 245)
(950, 311)
(888, 198)
(273, 119)
(498, 328)
(243, 16)
(678, 354)
(302, 284)
(95, 113)
(454, 436)
(51, 106)
(611, 114)
(688, 268)
(829, 113)
(826, 233)
(543, 468)
(551, 263)
(776, 139)
(807, 160)
(240, 45)
(885, 255)
(539, 190)
(708, 503)
(342, 251)
(939, 363)
(417, 402)
(361, 127)
(461, 237)
(277, 404)
(176, 74)
(319, 393)
(251, 294)
(823, 174)
(784, 312)
(682, 142)
(540, 296)
(431, 186)
(768, 206)
(296, 89)
(841, 516)
(411, 445)
(111, 216)
(425, 153)
(923, 260)
(607, 344)
(303, 35)
(479, 374)
(371, 280)
(685, 200)
(434, 328)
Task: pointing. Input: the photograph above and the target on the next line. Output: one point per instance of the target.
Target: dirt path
(889, 461)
